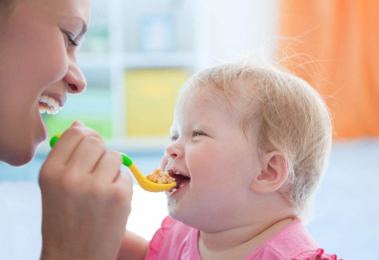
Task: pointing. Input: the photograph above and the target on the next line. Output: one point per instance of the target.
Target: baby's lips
(179, 178)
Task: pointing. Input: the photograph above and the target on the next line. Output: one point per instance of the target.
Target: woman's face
(38, 44)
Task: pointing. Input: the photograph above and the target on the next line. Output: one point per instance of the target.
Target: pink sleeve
(156, 241)
(315, 255)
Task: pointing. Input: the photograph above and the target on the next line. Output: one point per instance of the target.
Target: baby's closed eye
(197, 133)
(174, 138)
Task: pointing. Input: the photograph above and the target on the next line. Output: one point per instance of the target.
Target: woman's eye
(72, 42)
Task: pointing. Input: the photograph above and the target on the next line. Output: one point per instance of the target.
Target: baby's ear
(273, 173)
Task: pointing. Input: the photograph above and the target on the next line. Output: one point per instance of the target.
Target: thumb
(77, 123)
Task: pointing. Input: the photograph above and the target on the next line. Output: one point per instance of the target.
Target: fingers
(109, 166)
(124, 186)
(68, 142)
(87, 154)
(125, 180)
(77, 123)
(82, 150)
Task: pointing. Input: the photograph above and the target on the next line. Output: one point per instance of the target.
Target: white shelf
(154, 60)
(139, 144)
(121, 22)
(94, 61)
(126, 145)
(129, 60)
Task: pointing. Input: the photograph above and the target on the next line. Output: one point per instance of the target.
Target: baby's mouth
(48, 104)
(180, 180)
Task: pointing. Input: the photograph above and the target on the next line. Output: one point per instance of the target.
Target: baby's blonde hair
(291, 116)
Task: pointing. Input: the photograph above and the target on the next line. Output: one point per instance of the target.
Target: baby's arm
(133, 247)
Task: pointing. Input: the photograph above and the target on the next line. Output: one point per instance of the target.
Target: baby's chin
(191, 220)
(175, 213)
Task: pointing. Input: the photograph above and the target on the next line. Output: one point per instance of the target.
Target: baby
(249, 146)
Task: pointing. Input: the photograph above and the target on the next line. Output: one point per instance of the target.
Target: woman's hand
(85, 198)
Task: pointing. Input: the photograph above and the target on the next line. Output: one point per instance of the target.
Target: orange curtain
(342, 37)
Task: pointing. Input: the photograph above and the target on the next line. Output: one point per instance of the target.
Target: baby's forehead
(203, 96)
(235, 98)
(235, 108)
(197, 97)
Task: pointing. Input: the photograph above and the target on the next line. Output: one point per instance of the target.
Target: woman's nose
(75, 79)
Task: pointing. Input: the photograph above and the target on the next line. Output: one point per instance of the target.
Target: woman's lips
(44, 128)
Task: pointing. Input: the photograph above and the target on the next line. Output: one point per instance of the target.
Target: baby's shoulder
(317, 254)
(294, 243)
(172, 240)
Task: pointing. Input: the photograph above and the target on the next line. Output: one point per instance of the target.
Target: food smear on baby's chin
(173, 202)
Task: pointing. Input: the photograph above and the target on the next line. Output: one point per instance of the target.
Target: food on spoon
(157, 176)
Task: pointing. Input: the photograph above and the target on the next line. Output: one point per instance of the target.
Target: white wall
(229, 29)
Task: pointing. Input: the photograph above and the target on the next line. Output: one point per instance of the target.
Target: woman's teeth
(48, 104)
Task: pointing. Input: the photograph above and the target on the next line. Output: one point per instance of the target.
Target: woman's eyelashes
(70, 38)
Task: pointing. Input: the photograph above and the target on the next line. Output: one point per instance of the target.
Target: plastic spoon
(142, 181)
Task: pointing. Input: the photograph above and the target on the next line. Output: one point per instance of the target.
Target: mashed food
(157, 176)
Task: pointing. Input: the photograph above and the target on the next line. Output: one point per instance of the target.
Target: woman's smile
(48, 104)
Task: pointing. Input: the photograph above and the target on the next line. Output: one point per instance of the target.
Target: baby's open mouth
(180, 180)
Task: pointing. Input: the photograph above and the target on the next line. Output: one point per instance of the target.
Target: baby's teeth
(177, 173)
(182, 184)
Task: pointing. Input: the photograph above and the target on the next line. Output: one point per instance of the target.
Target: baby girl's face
(215, 161)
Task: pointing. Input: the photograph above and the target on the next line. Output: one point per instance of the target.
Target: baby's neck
(237, 243)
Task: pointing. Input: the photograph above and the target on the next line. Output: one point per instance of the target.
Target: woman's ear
(273, 173)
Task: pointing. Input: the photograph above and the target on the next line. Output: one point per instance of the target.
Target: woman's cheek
(56, 62)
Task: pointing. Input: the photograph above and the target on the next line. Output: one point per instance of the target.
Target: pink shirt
(174, 241)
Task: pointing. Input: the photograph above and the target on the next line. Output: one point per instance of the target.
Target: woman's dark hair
(7, 5)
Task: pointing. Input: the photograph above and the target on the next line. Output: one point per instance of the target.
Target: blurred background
(137, 54)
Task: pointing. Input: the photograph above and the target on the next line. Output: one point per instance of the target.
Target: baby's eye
(196, 133)
(174, 138)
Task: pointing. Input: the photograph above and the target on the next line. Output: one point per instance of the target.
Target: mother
(85, 197)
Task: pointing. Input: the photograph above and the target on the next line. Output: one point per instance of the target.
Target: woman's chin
(21, 157)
